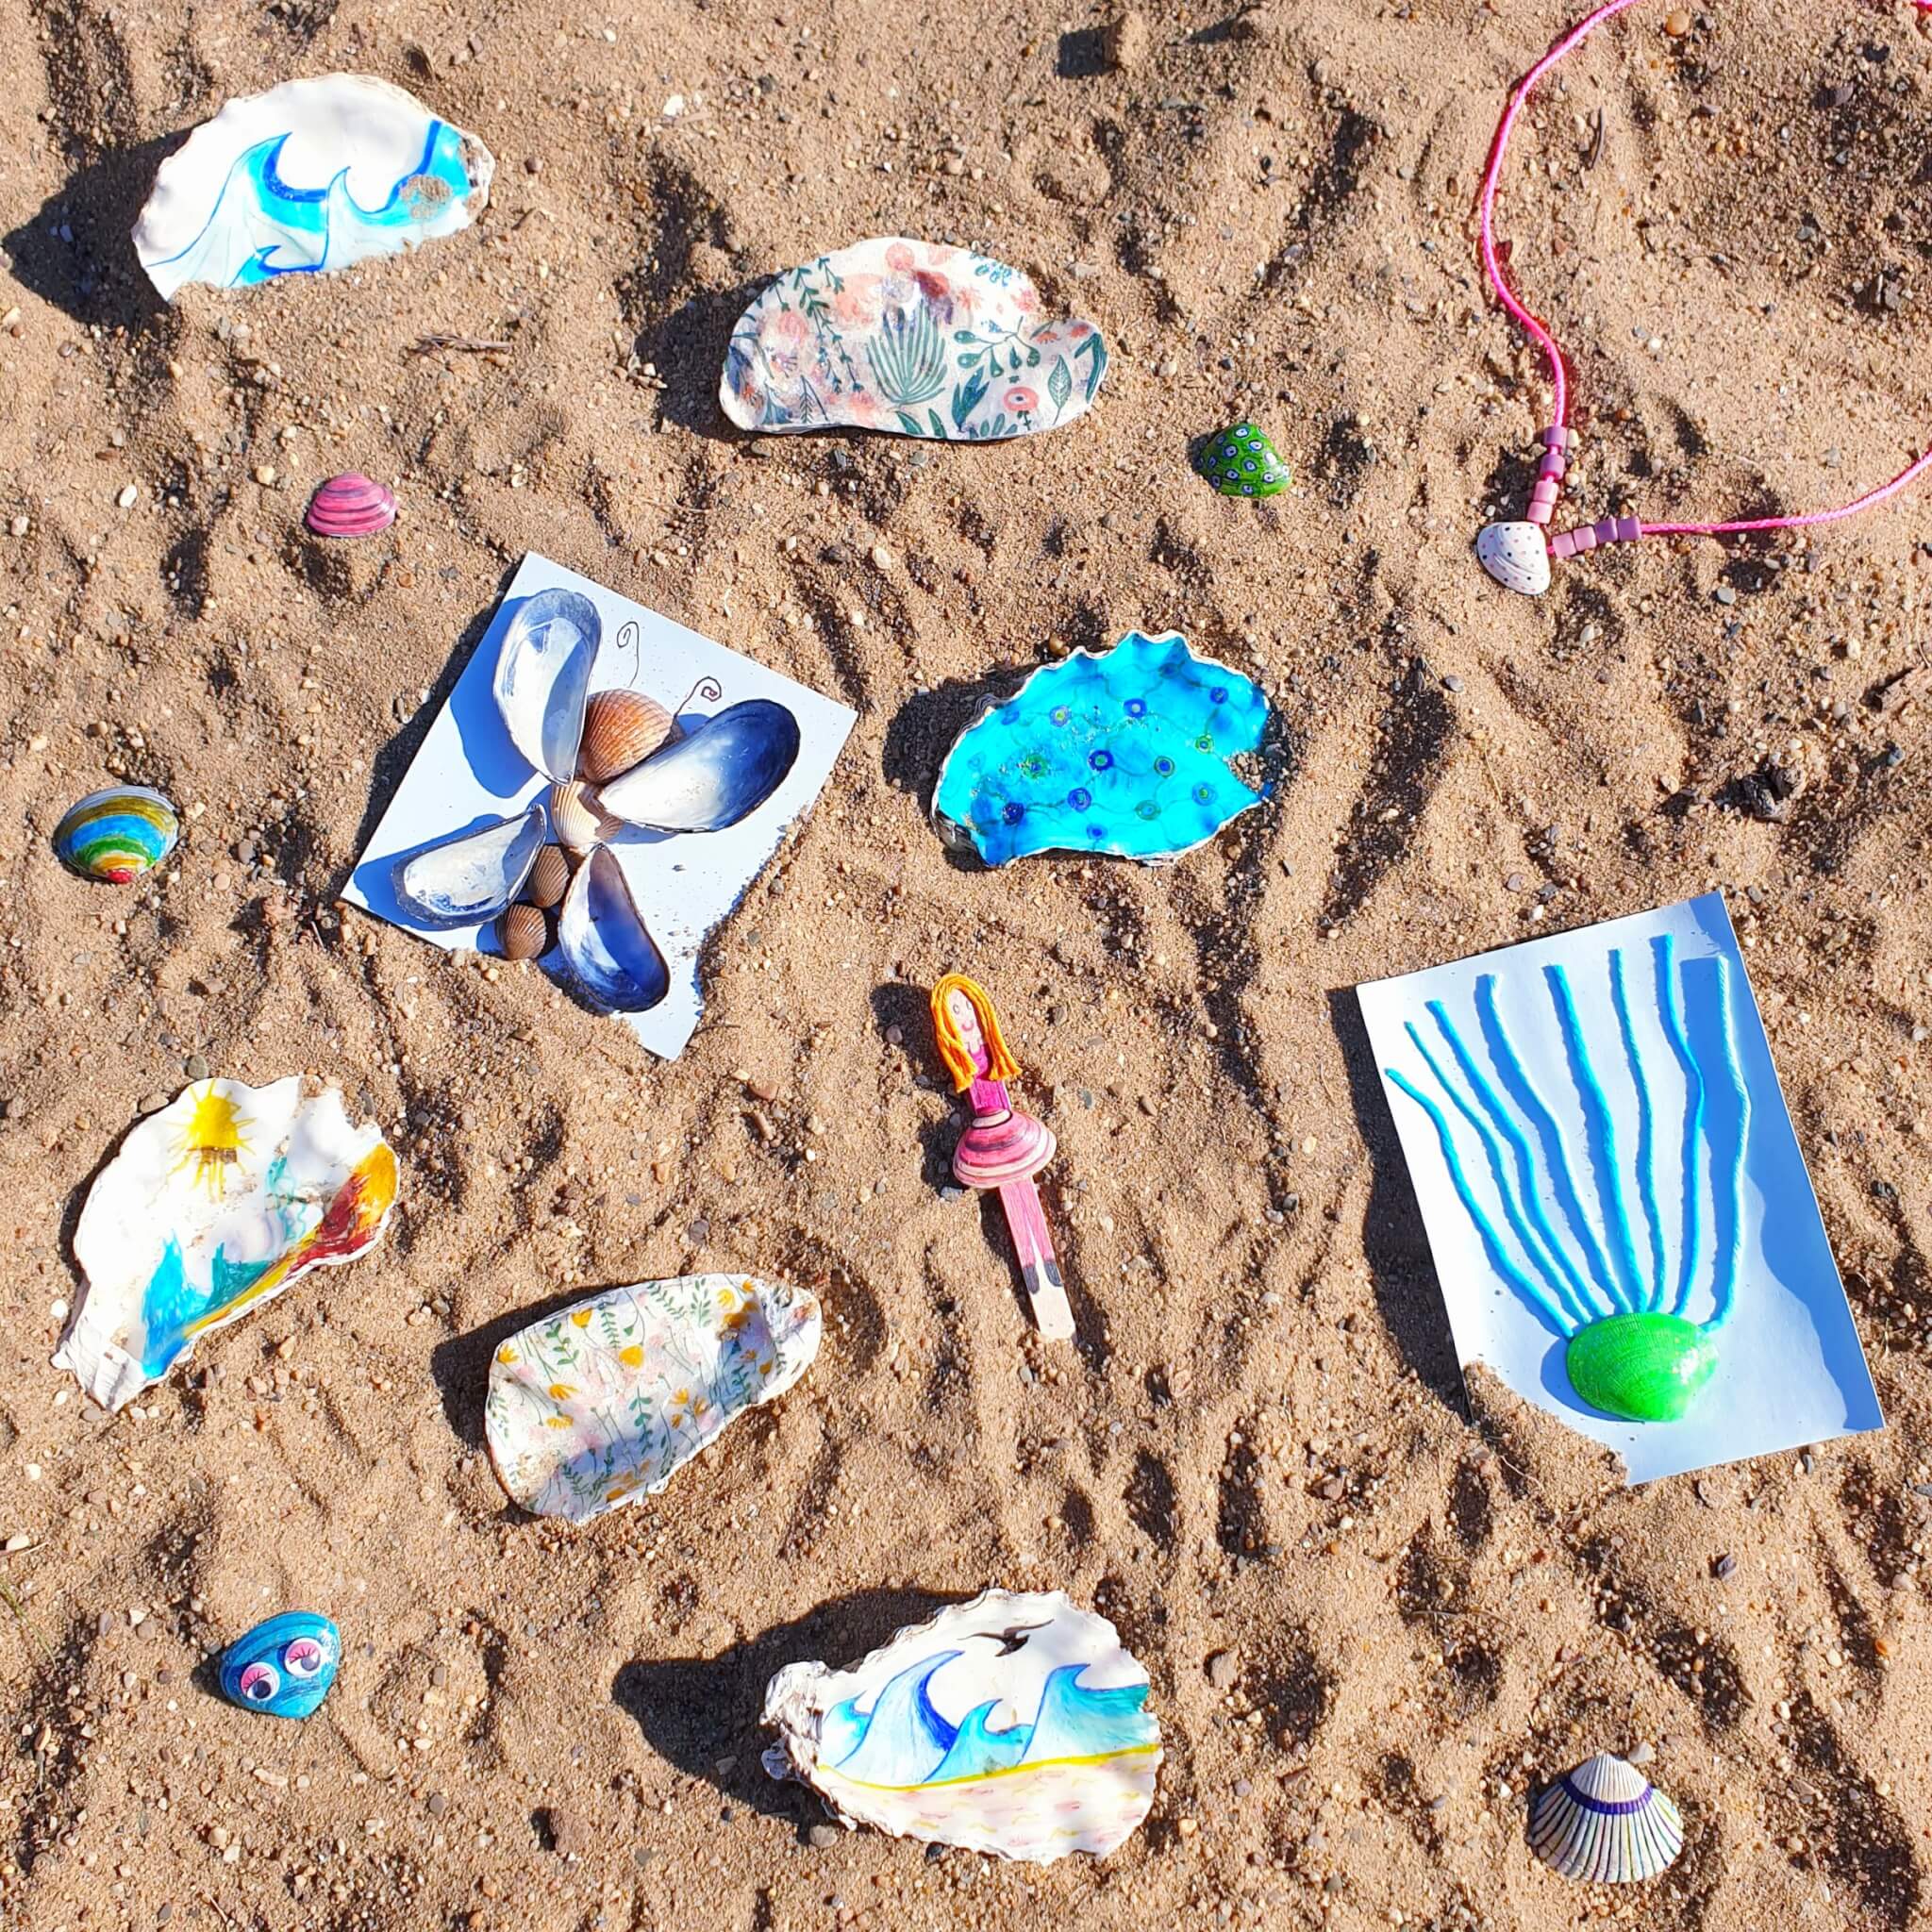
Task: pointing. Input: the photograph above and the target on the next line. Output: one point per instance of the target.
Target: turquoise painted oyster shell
(1126, 752)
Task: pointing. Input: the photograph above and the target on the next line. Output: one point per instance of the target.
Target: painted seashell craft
(312, 175)
(215, 1204)
(1013, 1724)
(351, 505)
(1606, 1824)
(911, 337)
(1517, 555)
(283, 1667)
(118, 834)
(1127, 752)
(600, 1403)
(1243, 463)
(472, 876)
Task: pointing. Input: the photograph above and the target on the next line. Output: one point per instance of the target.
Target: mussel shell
(622, 728)
(722, 771)
(283, 1667)
(543, 681)
(610, 954)
(470, 877)
(118, 834)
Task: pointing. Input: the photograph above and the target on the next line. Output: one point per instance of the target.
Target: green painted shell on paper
(602, 1403)
(1647, 1367)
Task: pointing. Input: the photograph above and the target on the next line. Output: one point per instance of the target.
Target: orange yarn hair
(1001, 1065)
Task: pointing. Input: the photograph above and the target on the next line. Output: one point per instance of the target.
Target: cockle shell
(577, 818)
(313, 174)
(1127, 752)
(524, 933)
(351, 505)
(1606, 1824)
(1243, 463)
(611, 956)
(992, 1154)
(622, 728)
(720, 772)
(1517, 555)
(283, 1667)
(549, 878)
(215, 1204)
(911, 337)
(118, 834)
(1647, 1367)
(600, 1403)
(472, 877)
(1014, 1724)
(543, 682)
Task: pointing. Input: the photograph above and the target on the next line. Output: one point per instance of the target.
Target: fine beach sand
(1372, 1620)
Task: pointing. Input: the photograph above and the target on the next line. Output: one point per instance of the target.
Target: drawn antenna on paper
(1633, 1348)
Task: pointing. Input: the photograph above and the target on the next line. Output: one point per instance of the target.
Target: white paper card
(467, 773)
(1594, 1128)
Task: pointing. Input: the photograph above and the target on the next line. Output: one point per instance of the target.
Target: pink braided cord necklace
(1518, 555)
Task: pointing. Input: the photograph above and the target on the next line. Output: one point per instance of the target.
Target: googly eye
(303, 1658)
(260, 1682)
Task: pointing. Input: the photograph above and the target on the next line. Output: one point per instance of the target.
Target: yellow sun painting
(212, 1141)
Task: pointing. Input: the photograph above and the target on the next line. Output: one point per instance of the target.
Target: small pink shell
(351, 506)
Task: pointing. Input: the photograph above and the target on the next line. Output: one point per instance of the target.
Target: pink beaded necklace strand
(1518, 555)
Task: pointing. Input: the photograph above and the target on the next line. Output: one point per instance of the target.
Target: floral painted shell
(913, 338)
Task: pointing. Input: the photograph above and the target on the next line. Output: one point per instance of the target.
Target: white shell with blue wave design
(1014, 1724)
(311, 175)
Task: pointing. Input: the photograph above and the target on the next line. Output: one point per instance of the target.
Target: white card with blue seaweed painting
(1614, 1195)
(467, 773)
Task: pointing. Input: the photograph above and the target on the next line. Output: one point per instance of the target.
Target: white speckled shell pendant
(1517, 555)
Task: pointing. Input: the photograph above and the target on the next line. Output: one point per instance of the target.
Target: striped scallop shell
(622, 728)
(1606, 1824)
(351, 506)
(118, 834)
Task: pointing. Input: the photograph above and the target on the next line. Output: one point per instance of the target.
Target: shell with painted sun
(215, 1204)
(600, 1403)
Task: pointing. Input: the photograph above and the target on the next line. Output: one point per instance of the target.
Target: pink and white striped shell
(351, 505)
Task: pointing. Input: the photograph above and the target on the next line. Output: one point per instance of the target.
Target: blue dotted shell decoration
(283, 1667)
(1243, 463)
(1127, 752)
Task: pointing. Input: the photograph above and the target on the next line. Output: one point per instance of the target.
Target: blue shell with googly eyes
(283, 1667)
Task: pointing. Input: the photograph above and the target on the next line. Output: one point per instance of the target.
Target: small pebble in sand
(823, 1836)
(436, 1804)
(1722, 1567)
(1640, 1754)
(881, 557)
(130, 496)
(1124, 41)
(1677, 22)
(195, 1067)
(21, 526)
(1221, 1668)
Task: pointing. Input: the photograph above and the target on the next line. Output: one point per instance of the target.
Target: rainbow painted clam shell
(351, 505)
(118, 834)
(1013, 1724)
(602, 1403)
(284, 1666)
(314, 175)
(217, 1203)
(909, 337)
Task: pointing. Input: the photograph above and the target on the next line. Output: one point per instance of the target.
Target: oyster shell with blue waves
(1014, 1724)
(313, 174)
(1127, 753)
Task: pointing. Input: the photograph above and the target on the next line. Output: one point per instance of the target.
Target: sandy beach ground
(1373, 1621)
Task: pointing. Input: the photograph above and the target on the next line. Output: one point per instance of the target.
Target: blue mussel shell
(283, 1667)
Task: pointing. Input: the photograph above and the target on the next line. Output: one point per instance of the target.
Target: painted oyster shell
(911, 337)
(215, 1204)
(1015, 1724)
(721, 772)
(283, 1667)
(1517, 555)
(1126, 752)
(542, 684)
(351, 505)
(118, 834)
(312, 175)
(600, 1403)
(602, 935)
(1606, 1824)
(472, 877)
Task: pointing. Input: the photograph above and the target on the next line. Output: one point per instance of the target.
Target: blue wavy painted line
(1728, 1209)
(1646, 1130)
(1670, 1007)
